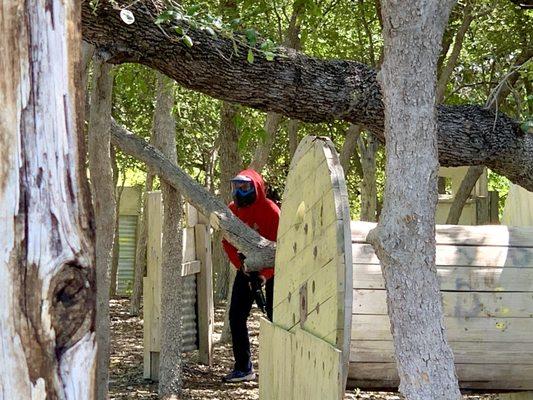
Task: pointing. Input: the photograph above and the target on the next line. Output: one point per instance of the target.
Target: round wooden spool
(486, 276)
(304, 353)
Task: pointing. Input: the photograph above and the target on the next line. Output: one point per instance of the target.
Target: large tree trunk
(405, 236)
(368, 146)
(101, 173)
(164, 131)
(47, 297)
(301, 87)
(140, 249)
(230, 165)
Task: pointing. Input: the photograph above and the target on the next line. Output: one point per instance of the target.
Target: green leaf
(165, 16)
(527, 127)
(187, 40)
(251, 36)
(269, 56)
(178, 30)
(193, 9)
(250, 56)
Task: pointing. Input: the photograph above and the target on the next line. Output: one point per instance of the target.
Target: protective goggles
(242, 187)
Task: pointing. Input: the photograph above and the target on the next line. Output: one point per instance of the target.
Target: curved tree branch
(259, 251)
(301, 87)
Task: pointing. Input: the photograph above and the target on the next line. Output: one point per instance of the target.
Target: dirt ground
(200, 382)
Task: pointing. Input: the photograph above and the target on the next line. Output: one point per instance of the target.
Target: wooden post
(152, 286)
(494, 199)
(204, 294)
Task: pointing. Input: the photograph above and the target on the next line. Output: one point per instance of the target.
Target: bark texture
(349, 150)
(116, 243)
(405, 236)
(140, 250)
(446, 72)
(462, 195)
(273, 120)
(302, 87)
(164, 131)
(103, 191)
(368, 146)
(47, 298)
(262, 150)
(258, 250)
(230, 165)
(292, 132)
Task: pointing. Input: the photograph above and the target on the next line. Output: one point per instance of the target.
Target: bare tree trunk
(368, 147)
(262, 150)
(116, 242)
(273, 120)
(164, 126)
(467, 184)
(349, 150)
(444, 77)
(140, 250)
(404, 239)
(230, 165)
(292, 132)
(101, 174)
(46, 238)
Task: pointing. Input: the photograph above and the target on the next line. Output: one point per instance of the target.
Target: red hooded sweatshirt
(262, 215)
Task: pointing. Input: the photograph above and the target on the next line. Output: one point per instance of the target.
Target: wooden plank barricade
(196, 270)
(330, 301)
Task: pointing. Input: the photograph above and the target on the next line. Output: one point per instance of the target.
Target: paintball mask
(243, 191)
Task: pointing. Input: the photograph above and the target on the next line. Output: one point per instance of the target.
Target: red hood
(258, 181)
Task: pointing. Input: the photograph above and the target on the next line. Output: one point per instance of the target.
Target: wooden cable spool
(330, 329)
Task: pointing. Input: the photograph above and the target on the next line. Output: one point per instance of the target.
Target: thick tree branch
(301, 87)
(259, 251)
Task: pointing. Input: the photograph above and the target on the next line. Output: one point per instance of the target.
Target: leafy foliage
(498, 36)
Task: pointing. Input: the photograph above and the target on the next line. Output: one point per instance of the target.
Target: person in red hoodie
(250, 205)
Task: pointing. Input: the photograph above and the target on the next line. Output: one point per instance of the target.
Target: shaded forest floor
(200, 381)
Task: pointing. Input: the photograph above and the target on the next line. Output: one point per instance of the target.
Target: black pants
(241, 304)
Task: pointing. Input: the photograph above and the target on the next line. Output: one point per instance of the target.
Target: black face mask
(244, 200)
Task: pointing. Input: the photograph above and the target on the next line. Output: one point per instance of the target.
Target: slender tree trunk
(444, 77)
(116, 242)
(140, 249)
(262, 150)
(230, 165)
(170, 379)
(273, 120)
(368, 146)
(46, 235)
(87, 53)
(467, 184)
(349, 151)
(292, 132)
(405, 236)
(101, 174)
